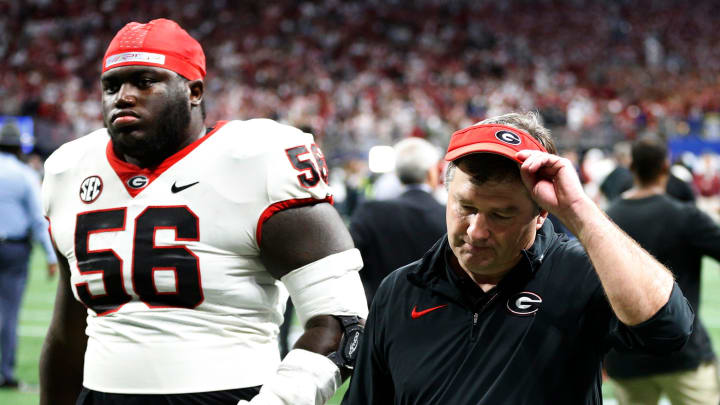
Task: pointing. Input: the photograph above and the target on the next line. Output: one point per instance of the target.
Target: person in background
(392, 233)
(621, 178)
(504, 310)
(706, 179)
(21, 223)
(679, 235)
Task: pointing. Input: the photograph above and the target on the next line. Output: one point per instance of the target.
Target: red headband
(492, 138)
(160, 43)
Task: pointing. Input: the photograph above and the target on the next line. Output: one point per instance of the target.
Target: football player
(179, 244)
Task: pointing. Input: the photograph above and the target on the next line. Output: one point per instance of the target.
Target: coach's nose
(478, 229)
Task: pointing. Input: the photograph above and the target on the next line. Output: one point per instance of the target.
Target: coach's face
(146, 111)
(489, 224)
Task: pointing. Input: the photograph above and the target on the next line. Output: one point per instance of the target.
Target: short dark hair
(649, 156)
(488, 167)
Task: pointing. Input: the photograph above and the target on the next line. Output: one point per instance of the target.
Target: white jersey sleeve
(296, 171)
(58, 170)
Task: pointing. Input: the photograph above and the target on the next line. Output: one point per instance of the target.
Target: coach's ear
(540, 219)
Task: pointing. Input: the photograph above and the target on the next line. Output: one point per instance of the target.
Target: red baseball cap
(491, 138)
(160, 43)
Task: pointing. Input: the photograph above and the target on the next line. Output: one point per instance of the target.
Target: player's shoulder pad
(262, 134)
(72, 153)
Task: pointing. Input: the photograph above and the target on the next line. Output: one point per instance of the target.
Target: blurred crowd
(370, 72)
(366, 72)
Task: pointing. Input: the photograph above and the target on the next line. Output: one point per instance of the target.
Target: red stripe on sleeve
(283, 205)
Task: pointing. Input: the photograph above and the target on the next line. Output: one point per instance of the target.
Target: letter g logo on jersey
(524, 303)
(137, 182)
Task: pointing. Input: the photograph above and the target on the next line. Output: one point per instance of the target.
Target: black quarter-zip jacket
(537, 338)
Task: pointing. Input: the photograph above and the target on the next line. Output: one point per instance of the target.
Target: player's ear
(197, 90)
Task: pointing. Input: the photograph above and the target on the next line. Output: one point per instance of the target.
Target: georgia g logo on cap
(491, 138)
(508, 137)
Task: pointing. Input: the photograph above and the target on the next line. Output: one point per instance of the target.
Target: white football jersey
(167, 260)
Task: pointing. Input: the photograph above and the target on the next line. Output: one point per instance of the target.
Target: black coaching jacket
(538, 337)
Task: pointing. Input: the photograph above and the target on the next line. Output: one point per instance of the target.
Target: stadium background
(360, 74)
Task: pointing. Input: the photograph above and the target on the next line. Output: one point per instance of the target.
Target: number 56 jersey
(167, 260)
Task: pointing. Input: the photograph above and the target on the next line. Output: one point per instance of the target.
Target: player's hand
(52, 270)
(552, 181)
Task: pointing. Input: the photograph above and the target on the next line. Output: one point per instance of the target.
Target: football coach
(504, 310)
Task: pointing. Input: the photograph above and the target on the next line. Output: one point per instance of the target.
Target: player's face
(146, 111)
(489, 224)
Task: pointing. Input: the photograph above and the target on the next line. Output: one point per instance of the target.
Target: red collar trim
(126, 171)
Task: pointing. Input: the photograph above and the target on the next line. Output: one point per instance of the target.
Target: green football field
(40, 294)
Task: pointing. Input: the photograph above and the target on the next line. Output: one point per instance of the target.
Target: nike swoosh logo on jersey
(176, 189)
(415, 314)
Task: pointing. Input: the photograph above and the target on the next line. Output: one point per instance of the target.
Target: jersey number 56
(147, 258)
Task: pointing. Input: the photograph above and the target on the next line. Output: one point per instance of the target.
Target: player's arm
(310, 249)
(299, 236)
(62, 357)
(636, 284)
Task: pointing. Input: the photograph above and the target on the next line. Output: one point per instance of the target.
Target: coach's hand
(552, 181)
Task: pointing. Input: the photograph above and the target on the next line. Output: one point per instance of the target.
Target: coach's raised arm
(636, 284)
(504, 310)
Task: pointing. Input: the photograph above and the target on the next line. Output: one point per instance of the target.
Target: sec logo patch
(90, 189)
(524, 303)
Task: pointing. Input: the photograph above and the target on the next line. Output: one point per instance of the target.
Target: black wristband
(346, 353)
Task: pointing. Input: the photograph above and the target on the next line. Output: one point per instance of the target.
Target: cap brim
(480, 148)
